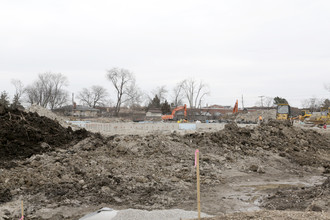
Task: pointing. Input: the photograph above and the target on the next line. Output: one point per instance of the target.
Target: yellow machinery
(325, 116)
(283, 112)
(305, 114)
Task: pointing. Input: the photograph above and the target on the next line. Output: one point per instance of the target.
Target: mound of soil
(315, 198)
(153, 171)
(299, 145)
(23, 134)
(5, 195)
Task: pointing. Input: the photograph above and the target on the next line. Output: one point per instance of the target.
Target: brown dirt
(25, 134)
(156, 171)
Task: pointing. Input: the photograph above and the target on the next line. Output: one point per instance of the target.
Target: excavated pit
(77, 169)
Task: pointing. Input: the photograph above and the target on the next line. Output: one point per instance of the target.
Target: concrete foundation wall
(145, 127)
(122, 127)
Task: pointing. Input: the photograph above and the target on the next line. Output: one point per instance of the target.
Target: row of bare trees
(93, 96)
(313, 104)
(49, 91)
(188, 90)
(128, 92)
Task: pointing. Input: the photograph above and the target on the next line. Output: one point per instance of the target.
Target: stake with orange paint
(22, 207)
(198, 184)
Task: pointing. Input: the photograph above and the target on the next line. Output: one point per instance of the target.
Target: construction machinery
(305, 113)
(235, 109)
(283, 112)
(325, 116)
(171, 116)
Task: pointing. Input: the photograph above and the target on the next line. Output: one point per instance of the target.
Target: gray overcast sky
(256, 47)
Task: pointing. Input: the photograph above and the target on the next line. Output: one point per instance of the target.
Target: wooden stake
(198, 187)
(22, 209)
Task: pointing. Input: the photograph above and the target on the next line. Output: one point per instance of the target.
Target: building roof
(78, 108)
(155, 110)
(215, 107)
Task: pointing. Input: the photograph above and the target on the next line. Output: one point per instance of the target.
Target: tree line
(313, 104)
(49, 90)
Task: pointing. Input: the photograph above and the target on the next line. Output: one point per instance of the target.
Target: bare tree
(85, 96)
(178, 93)
(161, 92)
(313, 104)
(124, 83)
(19, 88)
(94, 96)
(48, 90)
(269, 102)
(58, 96)
(195, 92)
(134, 96)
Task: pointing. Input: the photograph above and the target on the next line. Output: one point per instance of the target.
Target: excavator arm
(170, 117)
(235, 109)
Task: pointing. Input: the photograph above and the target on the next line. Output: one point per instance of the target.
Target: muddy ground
(273, 166)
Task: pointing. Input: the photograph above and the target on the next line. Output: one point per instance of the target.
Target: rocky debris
(24, 134)
(256, 168)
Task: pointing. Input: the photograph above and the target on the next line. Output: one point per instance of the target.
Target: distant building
(77, 111)
(154, 114)
(216, 110)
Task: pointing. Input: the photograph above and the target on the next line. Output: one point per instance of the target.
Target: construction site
(165, 110)
(51, 168)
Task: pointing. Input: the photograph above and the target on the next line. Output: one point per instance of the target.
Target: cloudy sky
(251, 47)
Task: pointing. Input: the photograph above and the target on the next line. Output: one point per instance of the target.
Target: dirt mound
(278, 124)
(47, 113)
(300, 146)
(5, 195)
(153, 171)
(23, 134)
(315, 198)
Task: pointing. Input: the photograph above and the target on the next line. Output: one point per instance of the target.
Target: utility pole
(242, 103)
(261, 97)
(72, 104)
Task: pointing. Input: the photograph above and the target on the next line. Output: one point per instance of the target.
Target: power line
(261, 97)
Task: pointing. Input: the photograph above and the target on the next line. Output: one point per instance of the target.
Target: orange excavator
(171, 117)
